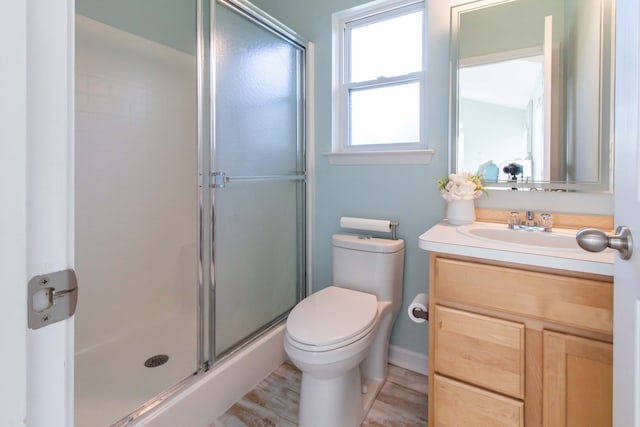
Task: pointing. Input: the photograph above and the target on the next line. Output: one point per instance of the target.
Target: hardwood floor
(402, 402)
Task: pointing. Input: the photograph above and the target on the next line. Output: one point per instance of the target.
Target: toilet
(339, 336)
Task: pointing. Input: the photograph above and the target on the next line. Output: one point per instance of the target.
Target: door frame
(38, 187)
(13, 239)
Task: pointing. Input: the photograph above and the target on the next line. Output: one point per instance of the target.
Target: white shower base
(111, 380)
(208, 396)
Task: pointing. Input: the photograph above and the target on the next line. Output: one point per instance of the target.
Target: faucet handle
(545, 220)
(514, 218)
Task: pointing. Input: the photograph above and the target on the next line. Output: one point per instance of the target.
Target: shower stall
(190, 195)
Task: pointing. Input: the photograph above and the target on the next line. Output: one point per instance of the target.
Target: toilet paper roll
(421, 301)
(380, 225)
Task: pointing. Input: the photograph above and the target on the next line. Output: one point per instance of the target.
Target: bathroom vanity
(519, 333)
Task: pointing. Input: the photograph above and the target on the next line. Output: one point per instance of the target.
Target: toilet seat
(331, 318)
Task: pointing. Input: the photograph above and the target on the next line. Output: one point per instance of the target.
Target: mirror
(532, 93)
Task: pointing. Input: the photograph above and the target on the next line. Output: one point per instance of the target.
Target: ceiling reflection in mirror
(532, 91)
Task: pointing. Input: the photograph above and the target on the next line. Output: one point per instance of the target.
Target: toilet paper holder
(418, 310)
(394, 229)
(420, 313)
(380, 225)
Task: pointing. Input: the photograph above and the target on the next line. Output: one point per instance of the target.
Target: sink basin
(554, 240)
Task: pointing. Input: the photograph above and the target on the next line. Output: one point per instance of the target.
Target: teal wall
(506, 27)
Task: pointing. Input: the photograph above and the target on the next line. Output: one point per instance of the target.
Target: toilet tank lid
(331, 315)
(367, 243)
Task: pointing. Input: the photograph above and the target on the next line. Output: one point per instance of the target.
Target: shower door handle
(221, 179)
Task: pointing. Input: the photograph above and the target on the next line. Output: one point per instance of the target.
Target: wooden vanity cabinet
(513, 345)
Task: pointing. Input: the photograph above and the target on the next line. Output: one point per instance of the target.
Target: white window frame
(396, 153)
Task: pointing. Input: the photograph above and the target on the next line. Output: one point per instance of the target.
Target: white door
(13, 369)
(626, 333)
(36, 207)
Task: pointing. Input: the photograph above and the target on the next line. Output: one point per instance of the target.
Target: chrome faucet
(530, 221)
(544, 223)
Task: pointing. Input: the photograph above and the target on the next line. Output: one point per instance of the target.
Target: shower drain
(155, 361)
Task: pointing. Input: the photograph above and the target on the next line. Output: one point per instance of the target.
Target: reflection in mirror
(531, 93)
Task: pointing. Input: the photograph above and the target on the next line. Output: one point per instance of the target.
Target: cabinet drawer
(458, 404)
(480, 350)
(570, 301)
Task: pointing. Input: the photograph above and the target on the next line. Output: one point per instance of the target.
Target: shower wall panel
(136, 219)
(137, 173)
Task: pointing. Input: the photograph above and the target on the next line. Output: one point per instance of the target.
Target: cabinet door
(459, 404)
(577, 381)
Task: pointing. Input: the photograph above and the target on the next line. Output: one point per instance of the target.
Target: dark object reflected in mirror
(513, 170)
(531, 85)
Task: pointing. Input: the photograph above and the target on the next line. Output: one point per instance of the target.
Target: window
(378, 104)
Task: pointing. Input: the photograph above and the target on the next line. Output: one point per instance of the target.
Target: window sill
(404, 157)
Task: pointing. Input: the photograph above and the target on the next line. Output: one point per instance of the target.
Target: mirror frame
(606, 128)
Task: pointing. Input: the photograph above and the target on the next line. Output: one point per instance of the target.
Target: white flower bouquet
(461, 186)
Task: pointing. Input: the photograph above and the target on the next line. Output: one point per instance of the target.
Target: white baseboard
(407, 359)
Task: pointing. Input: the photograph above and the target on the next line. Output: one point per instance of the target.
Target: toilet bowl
(338, 337)
(327, 337)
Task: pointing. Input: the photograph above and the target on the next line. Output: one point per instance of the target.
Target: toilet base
(336, 401)
(331, 402)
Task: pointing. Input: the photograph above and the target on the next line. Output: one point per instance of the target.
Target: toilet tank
(369, 264)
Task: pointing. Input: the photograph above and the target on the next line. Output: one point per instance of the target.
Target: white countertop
(448, 239)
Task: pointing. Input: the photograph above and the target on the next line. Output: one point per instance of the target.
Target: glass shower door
(259, 173)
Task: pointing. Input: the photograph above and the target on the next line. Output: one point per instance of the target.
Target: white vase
(460, 212)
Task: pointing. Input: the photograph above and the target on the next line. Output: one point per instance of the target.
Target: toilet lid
(332, 315)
